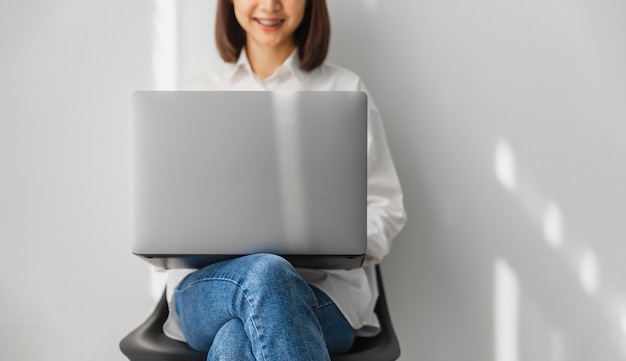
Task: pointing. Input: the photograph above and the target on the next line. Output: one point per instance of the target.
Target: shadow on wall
(503, 122)
(515, 301)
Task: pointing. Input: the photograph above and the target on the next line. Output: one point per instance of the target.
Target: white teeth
(268, 22)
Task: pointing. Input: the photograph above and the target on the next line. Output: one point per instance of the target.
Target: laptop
(220, 174)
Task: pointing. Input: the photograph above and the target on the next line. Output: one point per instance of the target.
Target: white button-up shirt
(354, 291)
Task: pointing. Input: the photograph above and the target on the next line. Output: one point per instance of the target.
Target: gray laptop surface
(219, 174)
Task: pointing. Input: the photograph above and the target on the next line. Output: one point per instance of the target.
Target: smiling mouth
(269, 22)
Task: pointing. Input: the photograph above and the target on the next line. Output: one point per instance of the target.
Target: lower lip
(269, 27)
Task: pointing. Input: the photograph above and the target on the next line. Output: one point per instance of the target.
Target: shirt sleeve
(385, 208)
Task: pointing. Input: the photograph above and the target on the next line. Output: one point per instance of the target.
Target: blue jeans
(257, 307)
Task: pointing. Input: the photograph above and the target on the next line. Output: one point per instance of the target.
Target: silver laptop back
(221, 174)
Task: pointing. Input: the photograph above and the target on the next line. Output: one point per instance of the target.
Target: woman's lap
(279, 313)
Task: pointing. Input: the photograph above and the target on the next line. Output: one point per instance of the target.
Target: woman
(259, 307)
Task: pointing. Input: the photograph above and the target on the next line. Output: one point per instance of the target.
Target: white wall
(504, 120)
(69, 287)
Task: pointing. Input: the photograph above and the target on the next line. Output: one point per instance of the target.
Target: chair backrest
(148, 343)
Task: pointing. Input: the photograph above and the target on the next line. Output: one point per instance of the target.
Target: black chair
(148, 343)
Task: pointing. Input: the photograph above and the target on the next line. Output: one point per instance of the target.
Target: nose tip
(270, 4)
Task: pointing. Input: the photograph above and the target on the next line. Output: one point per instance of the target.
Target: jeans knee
(270, 265)
(271, 273)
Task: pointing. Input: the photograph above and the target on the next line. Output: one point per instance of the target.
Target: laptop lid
(218, 174)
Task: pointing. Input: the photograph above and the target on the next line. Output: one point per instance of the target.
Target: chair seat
(148, 342)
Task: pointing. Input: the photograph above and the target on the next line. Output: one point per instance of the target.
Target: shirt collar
(291, 64)
(242, 64)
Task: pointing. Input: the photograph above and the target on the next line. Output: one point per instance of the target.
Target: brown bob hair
(311, 37)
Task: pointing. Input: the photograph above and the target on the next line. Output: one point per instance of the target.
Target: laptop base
(303, 261)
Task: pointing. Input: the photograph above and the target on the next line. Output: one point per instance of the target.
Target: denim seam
(319, 307)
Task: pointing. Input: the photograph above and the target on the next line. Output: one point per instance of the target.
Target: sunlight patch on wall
(164, 77)
(164, 45)
(588, 271)
(506, 312)
(622, 326)
(576, 254)
(553, 224)
(504, 164)
(549, 216)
